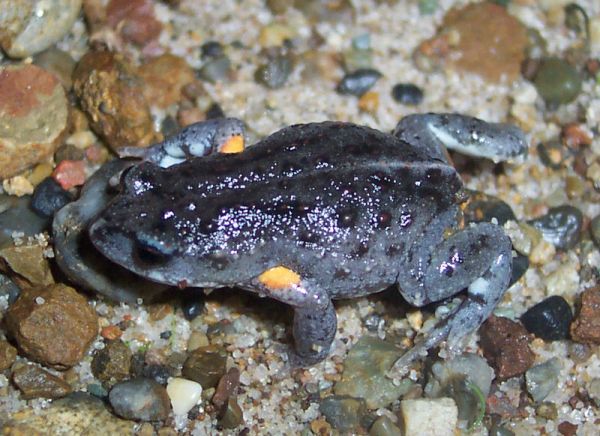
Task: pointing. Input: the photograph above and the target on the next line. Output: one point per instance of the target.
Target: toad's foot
(465, 134)
(479, 258)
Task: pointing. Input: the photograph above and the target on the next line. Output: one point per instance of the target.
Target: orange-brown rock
(53, 325)
(586, 327)
(482, 38)
(111, 93)
(165, 76)
(34, 115)
(35, 382)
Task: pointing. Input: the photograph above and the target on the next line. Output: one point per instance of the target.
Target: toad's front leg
(477, 258)
(315, 321)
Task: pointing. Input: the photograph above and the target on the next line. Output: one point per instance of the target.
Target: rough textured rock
(165, 76)
(134, 20)
(8, 354)
(35, 382)
(205, 365)
(505, 345)
(28, 27)
(110, 92)
(78, 413)
(53, 325)
(112, 363)
(33, 117)
(586, 327)
(29, 263)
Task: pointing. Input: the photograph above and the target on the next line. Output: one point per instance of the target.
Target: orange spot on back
(279, 277)
(235, 144)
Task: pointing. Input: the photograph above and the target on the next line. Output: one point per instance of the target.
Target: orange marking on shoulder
(235, 144)
(278, 278)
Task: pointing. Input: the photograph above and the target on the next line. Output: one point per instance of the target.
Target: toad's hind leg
(478, 258)
(465, 134)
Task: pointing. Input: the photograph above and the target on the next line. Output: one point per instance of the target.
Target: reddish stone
(574, 136)
(505, 345)
(165, 76)
(567, 429)
(70, 173)
(226, 387)
(111, 332)
(53, 325)
(135, 19)
(586, 327)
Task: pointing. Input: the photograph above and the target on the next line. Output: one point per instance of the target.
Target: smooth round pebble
(358, 82)
(49, 197)
(520, 266)
(561, 226)
(275, 72)
(557, 82)
(407, 93)
(549, 319)
(184, 394)
(140, 399)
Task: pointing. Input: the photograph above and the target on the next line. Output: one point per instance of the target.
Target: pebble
(561, 226)
(541, 380)
(482, 38)
(196, 340)
(586, 327)
(552, 153)
(165, 77)
(360, 55)
(227, 387)
(340, 12)
(275, 72)
(78, 413)
(557, 82)
(232, 415)
(35, 25)
(8, 355)
(34, 113)
(384, 426)
(135, 20)
(594, 390)
(358, 82)
(566, 428)
(343, 412)
(365, 370)
(520, 265)
(211, 49)
(70, 325)
(275, 35)
(505, 345)
(431, 416)
(547, 410)
(205, 365)
(369, 102)
(184, 394)
(18, 217)
(8, 289)
(110, 91)
(140, 399)
(549, 319)
(407, 94)
(466, 366)
(49, 197)
(35, 382)
(192, 304)
(482, 207)
(595, 230)
(30, 263)
(58, 62)
(215, 70)
(112, 364)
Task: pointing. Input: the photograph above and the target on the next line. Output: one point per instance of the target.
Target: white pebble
(184, 394)
(435, 417)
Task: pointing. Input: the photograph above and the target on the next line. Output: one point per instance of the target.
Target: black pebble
(407, 93)
(192, 304)
(561, 226)
(211, 49)
(519, 268)
(214, 111)
(49, 197)
(549, 319)
(166, 334)
(358, 82)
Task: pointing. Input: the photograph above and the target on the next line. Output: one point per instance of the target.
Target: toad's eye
(151, 249)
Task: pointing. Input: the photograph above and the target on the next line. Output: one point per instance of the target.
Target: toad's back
(335, 202)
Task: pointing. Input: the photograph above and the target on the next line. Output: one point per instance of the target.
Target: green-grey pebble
(215, 70)
(365, 370)
(343, 412)
(275, 72)
(557, 82)
(541, 380)
(384, 426)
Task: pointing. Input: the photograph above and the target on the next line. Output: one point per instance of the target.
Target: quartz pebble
(505, 345)
(384, 426)
(70, 325)
(33, 117)
(549, 319)
(140, 399)
(29, 27)
(541, 380)
(184, 394)
(431, 416)
(344, 413)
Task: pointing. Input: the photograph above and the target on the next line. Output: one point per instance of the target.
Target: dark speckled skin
(350, 209)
